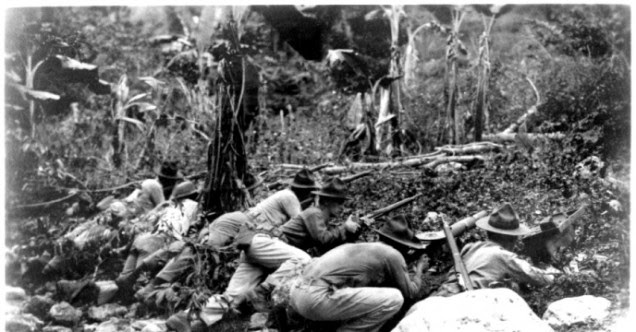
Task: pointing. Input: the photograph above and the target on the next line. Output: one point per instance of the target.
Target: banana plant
(489, 14)
(453, 49)
(388, 140)
(122, 103)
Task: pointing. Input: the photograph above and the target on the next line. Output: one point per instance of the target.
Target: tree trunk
(237, 105)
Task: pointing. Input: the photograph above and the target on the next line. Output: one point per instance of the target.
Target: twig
(43, 204)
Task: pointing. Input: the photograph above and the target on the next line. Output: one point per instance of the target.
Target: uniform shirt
(176, 217)
(277, 208)
(488, 262)
(364, 265)
(309, 229)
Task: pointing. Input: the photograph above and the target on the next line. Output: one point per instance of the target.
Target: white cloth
(177, 217)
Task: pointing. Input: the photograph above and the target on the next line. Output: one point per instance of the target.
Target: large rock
(15, 294)
(39, 306)
(106, 311)
(484, 310)
(113, 325)
(57, 329)
(65, 313)
(150, 325)
(586, 309)
(23, 323)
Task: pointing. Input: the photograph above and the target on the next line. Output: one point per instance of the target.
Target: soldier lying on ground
(492, 263)
(266, 249)
(274, 210)
(114, 221)
(362, 285)
(152, 250)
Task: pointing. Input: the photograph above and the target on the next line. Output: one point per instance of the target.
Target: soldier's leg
(360, 309)
(271, 253)
(246, 277)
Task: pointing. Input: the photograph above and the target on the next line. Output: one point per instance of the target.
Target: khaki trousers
(264, 255)
(358, 308)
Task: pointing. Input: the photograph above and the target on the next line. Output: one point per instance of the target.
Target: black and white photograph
(278, 167)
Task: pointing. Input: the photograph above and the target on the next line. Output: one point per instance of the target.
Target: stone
(105, 312)
(107, 290)
(65, 313)
(484, 310)
(258, 320)
(586, 309)
(39, 306)
(113, 325)
(150, 325)
(15, 294)
(23, 323)
(11, 310)
(57, 329)
(154, 328)
(449, 167)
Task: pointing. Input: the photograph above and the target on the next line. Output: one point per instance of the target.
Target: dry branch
(501, 137)
(533, 109)
(453, 159)
(478, 147)
(426, 161)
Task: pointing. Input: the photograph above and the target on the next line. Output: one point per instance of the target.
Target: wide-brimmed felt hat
(183, 190)
(503, 220)
(333, 188)
(397, 229)
(304, 180)
(169, 170)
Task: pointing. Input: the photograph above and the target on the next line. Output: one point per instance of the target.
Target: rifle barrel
(382, 211)
(461, 226)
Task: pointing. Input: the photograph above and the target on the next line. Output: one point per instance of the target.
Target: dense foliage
(576, 56)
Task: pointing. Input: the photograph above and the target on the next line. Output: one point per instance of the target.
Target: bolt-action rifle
(460, 268)
(457, 228)
(368, 218)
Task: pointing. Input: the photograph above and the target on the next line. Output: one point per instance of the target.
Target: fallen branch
(300, 167)
(432, 154)
(453, 159)
(389, 164)
(428, 162)
(477, 147)
(532, 110)
(501, 137)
